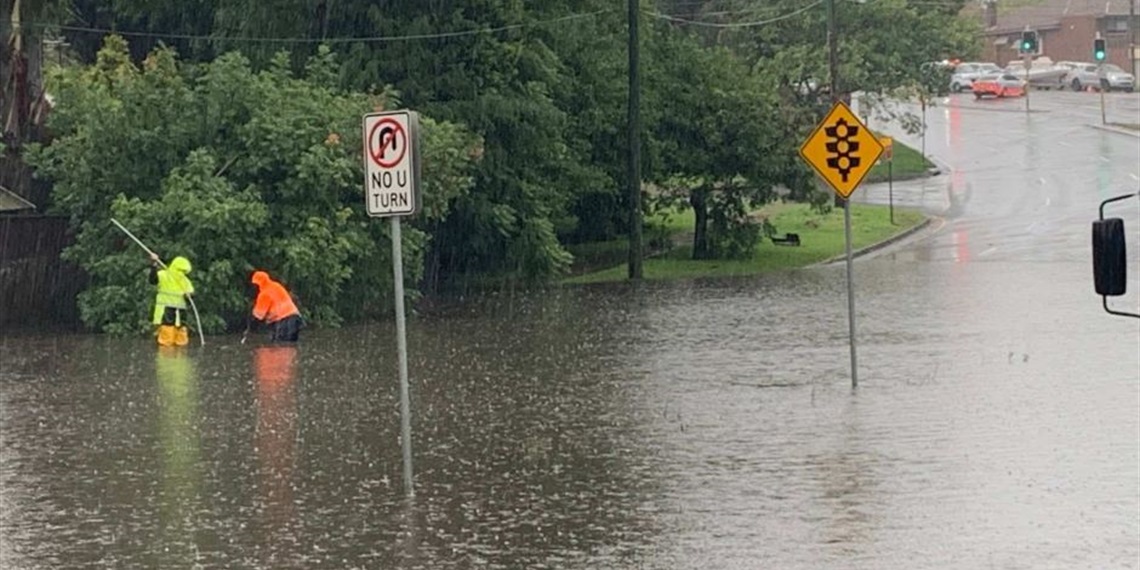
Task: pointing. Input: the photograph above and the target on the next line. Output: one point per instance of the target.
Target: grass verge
(908, 164)
(821, 235)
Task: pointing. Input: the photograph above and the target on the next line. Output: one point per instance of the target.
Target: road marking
(1048, 201)
(987, 252)
(1063, 143)
(1042, 181)
(1105, 158)
(1134, 177)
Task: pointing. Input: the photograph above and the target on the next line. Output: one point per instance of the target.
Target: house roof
(1046, 14)
(10, 202)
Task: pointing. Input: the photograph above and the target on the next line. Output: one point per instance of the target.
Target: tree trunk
(21, 78)
(7, 65)
(699, 200)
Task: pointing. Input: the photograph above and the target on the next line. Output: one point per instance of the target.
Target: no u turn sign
(391, 163)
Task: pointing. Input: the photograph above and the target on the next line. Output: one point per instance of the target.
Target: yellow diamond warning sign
(841, 150)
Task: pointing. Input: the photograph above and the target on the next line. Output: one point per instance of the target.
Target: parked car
(1082, 75)
(999, 85)
(965, 74)
(1112, 77)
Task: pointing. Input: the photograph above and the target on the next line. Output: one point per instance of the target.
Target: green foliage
(236, 170)
(544, 87)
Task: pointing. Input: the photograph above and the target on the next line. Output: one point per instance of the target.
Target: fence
(37, 288)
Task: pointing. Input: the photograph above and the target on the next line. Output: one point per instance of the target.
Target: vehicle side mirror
(1110, 262)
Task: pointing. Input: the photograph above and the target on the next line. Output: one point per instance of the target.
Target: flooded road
(703, 424)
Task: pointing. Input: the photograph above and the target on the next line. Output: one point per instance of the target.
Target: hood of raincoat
(259, 278)
(180, 264)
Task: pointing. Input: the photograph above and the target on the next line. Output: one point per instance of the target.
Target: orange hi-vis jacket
(273, 301)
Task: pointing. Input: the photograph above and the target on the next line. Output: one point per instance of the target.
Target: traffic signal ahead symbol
(841, 150)
(841, 147)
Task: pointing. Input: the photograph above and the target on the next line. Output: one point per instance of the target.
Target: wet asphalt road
(703, 424)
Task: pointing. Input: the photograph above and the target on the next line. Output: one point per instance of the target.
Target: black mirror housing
(1110, 261)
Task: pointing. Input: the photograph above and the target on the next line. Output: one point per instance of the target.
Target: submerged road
(689, 425)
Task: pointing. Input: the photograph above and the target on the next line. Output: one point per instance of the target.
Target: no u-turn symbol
(390, 163)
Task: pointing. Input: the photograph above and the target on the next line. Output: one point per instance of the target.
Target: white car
(966, 73)
(1101, 76)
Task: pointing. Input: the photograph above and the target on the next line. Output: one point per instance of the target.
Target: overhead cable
(334, 40)
(736, 24)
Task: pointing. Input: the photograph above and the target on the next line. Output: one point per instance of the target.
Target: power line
(736, 24)
(366, 39)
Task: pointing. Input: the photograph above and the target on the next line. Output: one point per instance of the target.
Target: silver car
(1100, 76)
(966, 73)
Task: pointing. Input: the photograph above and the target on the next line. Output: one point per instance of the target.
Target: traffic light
(1028, 41)
(1099, 51)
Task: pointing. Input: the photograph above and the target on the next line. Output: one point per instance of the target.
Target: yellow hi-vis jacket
(173, 286)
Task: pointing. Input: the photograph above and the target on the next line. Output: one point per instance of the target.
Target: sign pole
(392, 190)
(402, 352)
(842, 151)
(850, 291)
(891, 187)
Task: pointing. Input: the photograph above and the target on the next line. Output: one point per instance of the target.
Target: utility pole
(833, 71)
(832, 51)
(1133, 45)
(634, 146)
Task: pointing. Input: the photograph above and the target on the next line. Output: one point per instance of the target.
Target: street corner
(927, 226)
(1130, 130)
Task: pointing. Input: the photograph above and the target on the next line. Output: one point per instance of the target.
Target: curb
(939, 166)
(880, 245)
(1117, 130)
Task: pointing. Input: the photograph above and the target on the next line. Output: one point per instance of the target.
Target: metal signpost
(392, 190)
(888, 153)
(842, 151)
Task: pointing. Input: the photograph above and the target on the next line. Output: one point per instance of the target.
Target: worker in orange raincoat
(275, 307)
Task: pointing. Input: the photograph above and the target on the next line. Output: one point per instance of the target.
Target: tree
(717, 142)
(237, 170)
(22, 96)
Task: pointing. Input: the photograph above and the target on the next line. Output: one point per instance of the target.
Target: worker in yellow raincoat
(170, 300)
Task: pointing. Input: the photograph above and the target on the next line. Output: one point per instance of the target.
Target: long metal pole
(1028, 64)
(402, 352)
(635, 251)
(891, 187)
(1103, 116)
(197, 319)
(850, 292)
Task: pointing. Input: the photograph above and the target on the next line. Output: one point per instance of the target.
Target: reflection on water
(179, 449)
(274, 369)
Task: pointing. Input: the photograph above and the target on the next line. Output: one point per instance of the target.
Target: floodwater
(693, 425)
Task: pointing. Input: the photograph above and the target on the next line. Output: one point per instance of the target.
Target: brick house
(1065, 29)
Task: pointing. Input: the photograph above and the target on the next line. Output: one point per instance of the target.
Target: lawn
(821, 236)
(908, 163)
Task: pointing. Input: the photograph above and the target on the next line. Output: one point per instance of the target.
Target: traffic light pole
(1028, 64)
